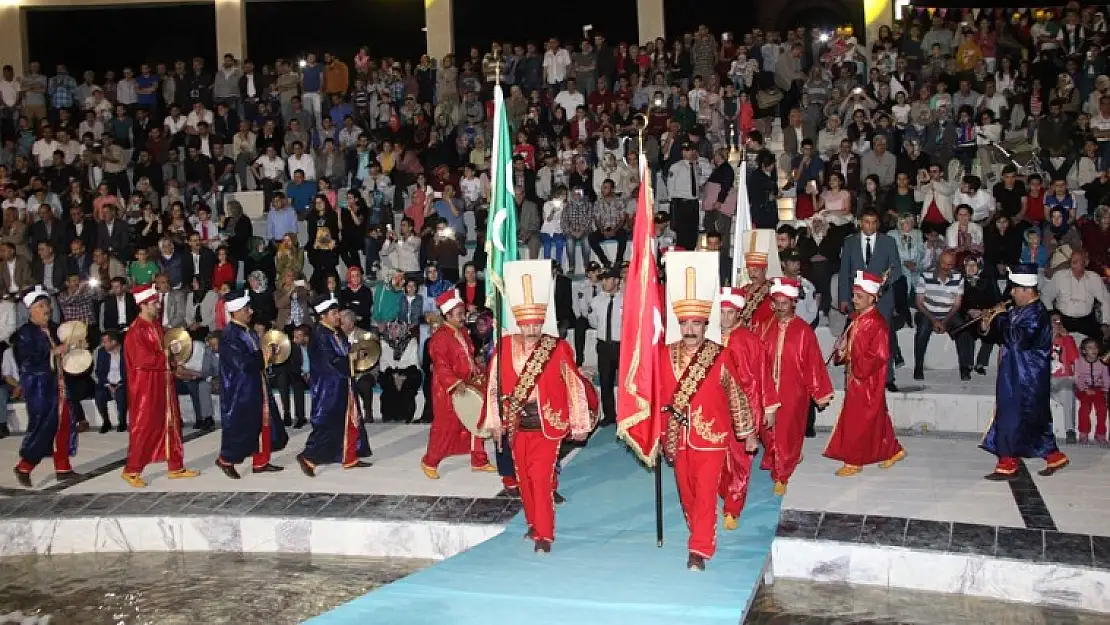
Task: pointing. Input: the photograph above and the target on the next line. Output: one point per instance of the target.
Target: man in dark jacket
(763, 191)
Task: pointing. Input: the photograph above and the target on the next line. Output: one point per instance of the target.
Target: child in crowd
(1092, 381)
(1064, 355)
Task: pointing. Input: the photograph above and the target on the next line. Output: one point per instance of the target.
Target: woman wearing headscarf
(1060, 240)
(262, 299)
(323, 237)
(400, 377)
(259, 258)
(980, 295)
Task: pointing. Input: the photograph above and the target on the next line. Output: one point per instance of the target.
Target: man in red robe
(755, 377)
(154, 434)
(453, 367)
(800, 376)
(704, 402)
(864, 433)
(542, 395)
(756, 314)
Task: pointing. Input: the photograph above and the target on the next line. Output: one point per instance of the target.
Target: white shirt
(863, 240)
(1076, 297)
(13, 287)
(165, 310)
(48, 275)
(304, 162)
(555, 65)
(270, 168)
(599, 314)
(8, 368)
(114, 362)
(570, 101)
(125, 91)
(43, 151)
(806, 307)
(193, 119)
(121, 310)
(174, 126)
(9, 92)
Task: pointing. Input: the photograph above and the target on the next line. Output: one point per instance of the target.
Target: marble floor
(941, 479)
(396, 471)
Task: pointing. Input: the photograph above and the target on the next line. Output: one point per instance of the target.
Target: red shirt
(224, 273)
(1034, 208)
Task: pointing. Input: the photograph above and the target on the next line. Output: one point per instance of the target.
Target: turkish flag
(639, 421)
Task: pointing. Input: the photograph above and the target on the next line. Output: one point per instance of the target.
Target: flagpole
(499, 316)
(645, 178)
(738, 157)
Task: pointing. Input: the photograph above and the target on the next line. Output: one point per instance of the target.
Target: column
(13, 37)
(877, 13)
(439, 23)
(649, 18)
(231, 29)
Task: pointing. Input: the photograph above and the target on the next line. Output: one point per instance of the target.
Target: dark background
(101, 39)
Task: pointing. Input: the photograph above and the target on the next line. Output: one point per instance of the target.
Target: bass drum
(468, 406)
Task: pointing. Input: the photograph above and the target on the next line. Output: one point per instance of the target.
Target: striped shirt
(939, 296)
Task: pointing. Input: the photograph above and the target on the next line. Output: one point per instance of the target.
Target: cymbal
(73, 332)
(365, 350)
(179, 343)
(276, 347)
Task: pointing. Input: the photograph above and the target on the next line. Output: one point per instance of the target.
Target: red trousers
(698, 474)
(1092, 402)
(735, 475)
(782, 445)
(60, 456)
(449, 437)
(534, 456)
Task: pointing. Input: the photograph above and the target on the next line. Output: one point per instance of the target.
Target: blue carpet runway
(604, 567)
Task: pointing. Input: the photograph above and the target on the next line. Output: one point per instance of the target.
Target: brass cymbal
(179, 344)
(276, 347)
(365, 350)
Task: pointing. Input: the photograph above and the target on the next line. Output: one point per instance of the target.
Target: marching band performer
(51, 430)
(542, 395)
(705, 403)
(754, 372)
(756, 313)
(249, 421)
(154, 434)
(1022, 423)
(864, 433)
(337, 435)
(453, 366)
(800, 376)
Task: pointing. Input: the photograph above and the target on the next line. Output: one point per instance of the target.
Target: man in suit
(291, 377)
(79, 259)
(112, 235)
(119, 300)
(195, 379)
(15, 272)
(80, 227)
(200, 262)
(877, 254)
(564, 306)
(46, 229)
(49, 269)
(173, 302)
(110, 375)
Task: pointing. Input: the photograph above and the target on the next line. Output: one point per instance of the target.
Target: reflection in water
(187, 589)
(791, 602)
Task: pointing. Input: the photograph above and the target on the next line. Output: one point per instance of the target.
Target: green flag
(501, 234)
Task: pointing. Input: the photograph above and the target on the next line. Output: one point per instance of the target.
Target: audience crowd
(970, 140)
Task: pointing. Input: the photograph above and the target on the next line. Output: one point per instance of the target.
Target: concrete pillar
(13, 37)
(231, 29)
(649, 18)
(877, 13)
(439, 23)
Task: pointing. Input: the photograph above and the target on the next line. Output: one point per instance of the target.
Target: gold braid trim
(526, 383)
(752, 302)
(743, 423)
(693, 374)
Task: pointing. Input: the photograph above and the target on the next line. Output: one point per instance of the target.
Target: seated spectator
(1064, 358)
(1075, 293)
(609, 225)
(980, 295)
(964, 236)
(1096, 240)
(1032, 251)
(110, 376)
(939, 294)
(1060, 240)
(1002, 245)
(194, 378)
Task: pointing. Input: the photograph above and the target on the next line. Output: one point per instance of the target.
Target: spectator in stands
(1076, 292)
(939, 295)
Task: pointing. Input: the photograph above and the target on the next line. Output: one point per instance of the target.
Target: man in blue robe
(51, 429)
(337, 433)
(248, 414)
(1022, 424)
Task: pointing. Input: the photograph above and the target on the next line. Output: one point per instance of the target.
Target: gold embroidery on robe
(554, 417)
(743, 423)
(704, 427)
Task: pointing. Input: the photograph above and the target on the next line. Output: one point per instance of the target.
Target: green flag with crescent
(501, 233)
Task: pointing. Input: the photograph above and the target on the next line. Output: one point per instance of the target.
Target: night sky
(389, 27)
